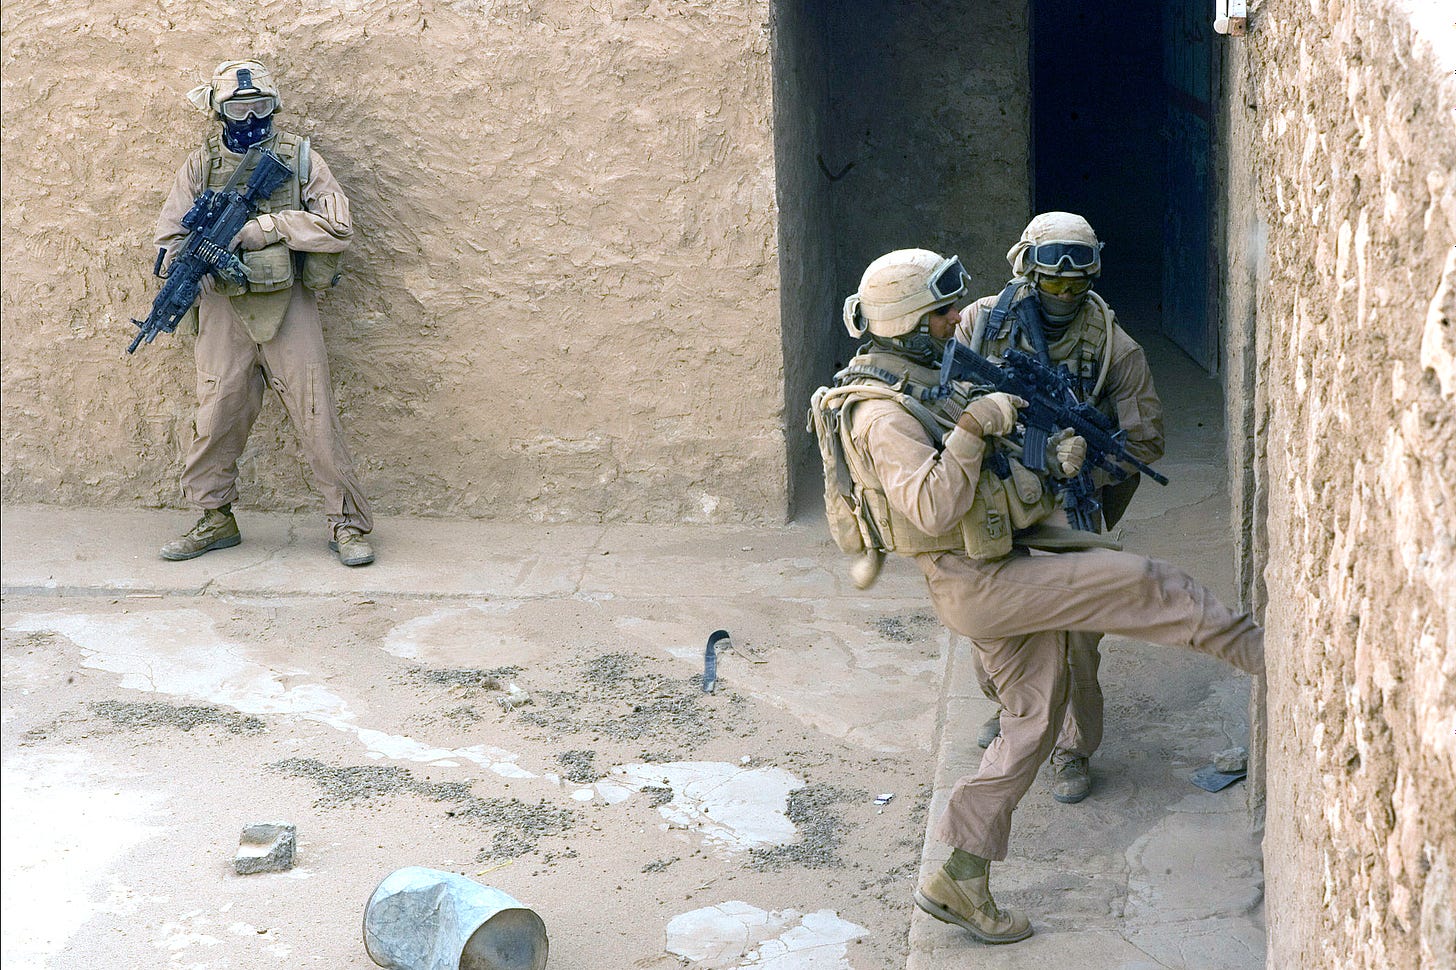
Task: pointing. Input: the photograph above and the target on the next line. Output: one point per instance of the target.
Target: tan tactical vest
(273, 268)
(1001, 506)
(1085, 347)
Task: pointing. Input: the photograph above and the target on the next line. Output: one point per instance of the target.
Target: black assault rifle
(1051, 406)
(212, 222)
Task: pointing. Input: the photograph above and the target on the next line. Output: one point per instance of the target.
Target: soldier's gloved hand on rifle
(256, 233)
(1065, 453)
(993, 414)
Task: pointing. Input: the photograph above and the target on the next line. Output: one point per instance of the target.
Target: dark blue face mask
(239, 136)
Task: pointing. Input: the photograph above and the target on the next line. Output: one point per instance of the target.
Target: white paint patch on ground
(733, 807)
(437, 636)
(673, 637)
(63, 825)
(737, 935)
(178, 652)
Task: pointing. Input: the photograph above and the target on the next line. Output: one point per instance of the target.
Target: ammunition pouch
(1003, 507)
(268, 269)
(319, 271)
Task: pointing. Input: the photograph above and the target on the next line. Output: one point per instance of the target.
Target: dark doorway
(1120, 134)
(897, 123)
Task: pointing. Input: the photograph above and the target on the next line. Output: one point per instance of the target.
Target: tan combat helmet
(899, 288)
(1056, 244)
(1059, 252)
(225, 84)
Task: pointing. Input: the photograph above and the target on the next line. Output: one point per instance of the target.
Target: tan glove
(992, 414)
(256, 233)
(1065, 453)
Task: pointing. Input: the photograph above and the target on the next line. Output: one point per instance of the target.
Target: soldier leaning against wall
(1051, 310)
(926, 467)
(265, 332)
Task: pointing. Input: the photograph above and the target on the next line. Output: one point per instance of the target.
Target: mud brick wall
(1342, 312)
(562, 302)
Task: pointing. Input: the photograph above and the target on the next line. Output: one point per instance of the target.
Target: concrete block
(266, 847)
(1231, 760)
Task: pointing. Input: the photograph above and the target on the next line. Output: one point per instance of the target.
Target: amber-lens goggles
(258, 106)
(949, 280)
(1064, 285)
(1064, 255)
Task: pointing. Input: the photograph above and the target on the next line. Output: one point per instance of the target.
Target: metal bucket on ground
(425, 919)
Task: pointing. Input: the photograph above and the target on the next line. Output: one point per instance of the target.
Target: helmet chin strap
(918, 345)
(239, 136)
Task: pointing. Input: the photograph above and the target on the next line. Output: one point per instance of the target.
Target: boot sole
(1069, 799)
(334, 547)
(226, 543)
(946, 916)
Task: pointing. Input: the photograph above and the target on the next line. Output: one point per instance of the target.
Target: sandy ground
(524, 705)
(154, 725)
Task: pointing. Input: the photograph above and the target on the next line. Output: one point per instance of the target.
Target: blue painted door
(1189, 271)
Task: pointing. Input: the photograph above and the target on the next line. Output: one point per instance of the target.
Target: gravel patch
(626, 704)
(518, 825)
(907, 628)
(578, 765)
(465, 680)
(821, 831)
(138, 716)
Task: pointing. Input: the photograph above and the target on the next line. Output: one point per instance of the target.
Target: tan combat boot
(968, 904)
(1071, 778)
(352, 547)
(217, 529)
(990, 731)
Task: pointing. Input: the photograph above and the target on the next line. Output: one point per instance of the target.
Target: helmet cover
(225, 83)
(899, 288)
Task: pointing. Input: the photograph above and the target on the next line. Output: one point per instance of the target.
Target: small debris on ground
(1211, 779)
(467, 680)
(657, 795)
(717, 640)
(514, 698)
(518, 825)
(1231, 760)
(266, 847)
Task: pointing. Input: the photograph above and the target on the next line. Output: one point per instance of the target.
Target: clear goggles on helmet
(1065, 255)
(949, 280)
(240, 108)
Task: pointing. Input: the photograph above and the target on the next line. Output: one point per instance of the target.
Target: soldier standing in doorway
(264, 332)
(1051, 310)
(929, 470)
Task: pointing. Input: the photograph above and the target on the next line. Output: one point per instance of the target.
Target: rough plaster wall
(931, 105)
(1348, 119)
(563, 298)
(811, 328)
(1244, 238)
